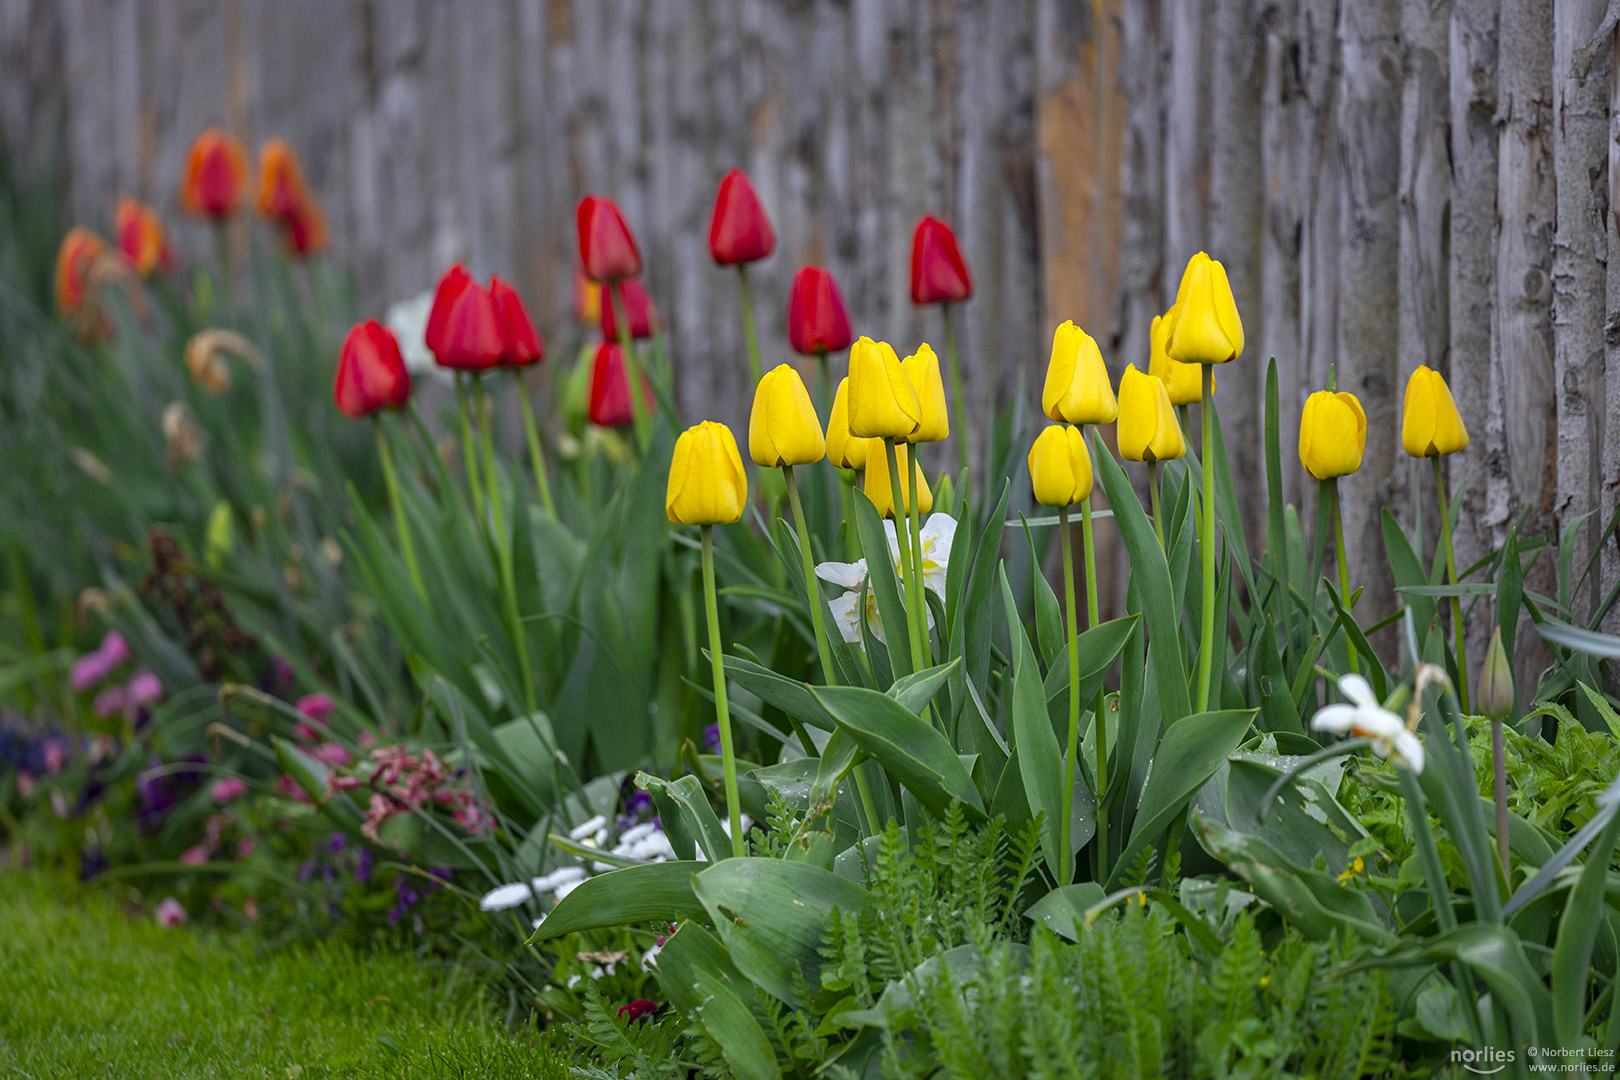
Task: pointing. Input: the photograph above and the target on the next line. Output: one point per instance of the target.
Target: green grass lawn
(88, 989)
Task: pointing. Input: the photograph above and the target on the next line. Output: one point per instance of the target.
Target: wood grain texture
(1390, 182)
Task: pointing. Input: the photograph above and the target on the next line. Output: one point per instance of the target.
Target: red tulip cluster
(285, 199)
(471, 328)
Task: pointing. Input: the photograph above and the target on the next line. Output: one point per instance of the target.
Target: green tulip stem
(722, 712)
(537, 456)
(406, 545)
(1499, 792)
(1072, 749)
(503, 547)
(1153, 495)
(1093, 617)
(222, 245)
(903, 540)
(748, 323)
(632, 367)
(1331, 493)
(1206, 543)
(812, 588)
(824, 377)
(469, 451)
(959, 421)
(914, 517)
(847, 479)
(1451, 573)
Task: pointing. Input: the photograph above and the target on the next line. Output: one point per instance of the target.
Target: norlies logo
(1486, 1062)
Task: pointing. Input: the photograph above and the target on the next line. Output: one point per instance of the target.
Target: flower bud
(139, 231)
(1184, 381)
(523, 344)
(371, 372)
(609, 402)
(707, 485)
(1148, 429)
(1332, 434)
(1495, 696)
(843, 449)
(1060, 466)
(939, 274)
(739, 231)
(818, 322)
(922, 371)
(1430, 423)
(882, 401)
(881, 492)
(216, 172)
(1077, 389)
(463, 330)
(1204, 323)
(783, 428)
(632, 297)
(607, 248)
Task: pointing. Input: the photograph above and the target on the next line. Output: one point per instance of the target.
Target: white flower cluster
(645, 842)
(937, 534)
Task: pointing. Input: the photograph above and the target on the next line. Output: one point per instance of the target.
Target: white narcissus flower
(505, 896)
(1365, 716)
(936, 535)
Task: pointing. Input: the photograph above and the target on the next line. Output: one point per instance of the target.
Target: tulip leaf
(772, 916)
(685, 800)
(1408, 570)
(1188, 755)
(910, 748)
(791, 696)
(1278, 710)
(1063, 910)
(1276, 536)
(917, 690)
(1048, 616)
(1358, 641)
(837, 758)
(1150, 575)
(1579, 639)
(884, 581)
(636, 894)
(973, 626)
(691, 949)
(1226, 507)
(1041, 758)
(1577, 934)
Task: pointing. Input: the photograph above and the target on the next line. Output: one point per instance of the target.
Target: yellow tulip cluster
(884, 398)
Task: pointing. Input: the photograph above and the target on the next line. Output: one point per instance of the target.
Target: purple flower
(306, 870)
(362, 870)
(711, 738)
(335, 843)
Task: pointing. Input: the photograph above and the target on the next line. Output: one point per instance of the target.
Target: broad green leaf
(911, 749)
(1577, 934)
(1063, 910)
(789, 695)
(1041, 759)
(1048, 616)
(772, 916)
(685, 799)
(1408, 570)
(1190, 752)
(733, 1028)
(973, 626)
(917, 690)
(656, 891)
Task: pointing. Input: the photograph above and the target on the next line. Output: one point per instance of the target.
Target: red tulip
(140, 236)
(523, 344)
(371, 372)
(606, 246)
(739, 232)
(281, 180)
(610, 389)
(463, 328)
(216, 171)
(938, 272)
(817, 319)
(304, 228)
(638, 309)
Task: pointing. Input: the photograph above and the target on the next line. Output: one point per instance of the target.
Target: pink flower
(289, 787)
(114, 648)
(93, 667)
(244, 848)
(110, 702)
(55, 753)
(366, 740)
(193, 856)
(227, 790)
(334, 754)
(637, 1009)
(169, 912)
(144, 689)
(318, 707)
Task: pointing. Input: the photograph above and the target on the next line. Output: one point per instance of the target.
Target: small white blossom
(564, 890)
(505, 896)
(649, 959)
(592, 832)
(550, 883)
(1365, 716)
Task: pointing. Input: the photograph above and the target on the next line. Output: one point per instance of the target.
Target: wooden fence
(1390, 183)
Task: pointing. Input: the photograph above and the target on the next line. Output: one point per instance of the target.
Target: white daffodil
(1365, 716)
(408, 320)
(505, 896)
(937, 534)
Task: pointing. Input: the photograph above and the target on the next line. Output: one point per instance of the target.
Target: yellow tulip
(1204, 324)
(922, 371)
(843, 450)
(783, 428)
(882, 403)
(881, 492)
(1332, 434)
(1060, 467)
(1184, 381)
(1431, 425)
(1148, 430)
(1077, 389)
(707, 485)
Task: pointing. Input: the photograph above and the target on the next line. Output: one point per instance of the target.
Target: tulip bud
(371, 372)
(1204, 325)
(1060, 466)
(843, 449)
(609, 403)
(607, 249)
(304, 230)
(587, 299)
(707, 485)
(1184, 381)
(922, 371)
(882, 402)
(639, 311)
(463, 330)
(939, 274)
(282, 190)
(75, 262)
(1077, 389)
(523, 344)
(216, 171)
(881, 492)
(1147, 430)
(1431, 425)
(1332, 434)
(817, 319)
(739, 231)
(944, 492)
(1495, 695)
(140, 236)
(783, 428)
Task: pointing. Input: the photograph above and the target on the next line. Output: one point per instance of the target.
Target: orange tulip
(75, 260)
(216, 172)
(140, 236)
